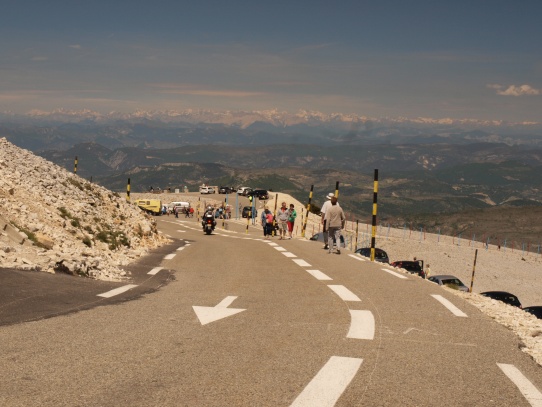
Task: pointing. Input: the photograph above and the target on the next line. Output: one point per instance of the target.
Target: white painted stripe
(155, 270)
(319, 275)
(301, 262)
(357, 257)
(170, 256)
(344, 293)
(117, 291)
(453, 309)
(288, 254)
(181, 231)
(393, 273)
(362, 325)
(529, 391)
(226, 302)
(273, 244)
(180, 248)
(280, 249)
(329, 383)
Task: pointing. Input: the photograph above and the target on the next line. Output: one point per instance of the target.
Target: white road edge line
(319, 275)
(180, 248)
(393, 273)
(344, 293)
(355, 256)
(170, 256)
(529, 391)
(329, 383)
(453, 309)
(301, 262)
(117, 291)
(155, 270)
(362, 325)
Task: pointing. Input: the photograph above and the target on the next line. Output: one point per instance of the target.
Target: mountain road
(232, 319)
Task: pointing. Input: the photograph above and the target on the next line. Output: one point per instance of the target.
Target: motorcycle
(208, 224)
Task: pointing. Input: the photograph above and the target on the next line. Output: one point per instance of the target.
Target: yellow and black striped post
(337, 190)
(308, 210)
(357, 225)
(75, 166)
(373, 232)
(473, 270)
(128, 191)
(248, 219)
(197, 212)
(273, 233)
(223, 213)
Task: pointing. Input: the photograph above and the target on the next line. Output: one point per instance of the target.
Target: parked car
(243, 190)
(226, 190)
(503, 296)
(536, 311)
(412, 266)
(206, 190)
(449, 281)
(380, 255)
(258, 193)
(246, 211)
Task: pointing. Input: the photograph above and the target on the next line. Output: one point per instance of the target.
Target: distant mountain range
(427, 167)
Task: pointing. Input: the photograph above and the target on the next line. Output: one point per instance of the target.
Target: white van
(181, 204)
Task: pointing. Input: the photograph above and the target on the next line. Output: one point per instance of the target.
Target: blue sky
(459, 59)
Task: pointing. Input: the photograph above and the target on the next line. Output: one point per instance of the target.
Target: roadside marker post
(308, 210)
(473, 270)
(275, 216)
(248, 220)
(357, 226)
(128, 191)
(75, 165)
(375, 199)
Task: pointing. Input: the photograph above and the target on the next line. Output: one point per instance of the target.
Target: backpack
(269, 218)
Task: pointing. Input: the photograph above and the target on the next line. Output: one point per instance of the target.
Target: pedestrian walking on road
(323, 211)
(335, 220)
(282, 218)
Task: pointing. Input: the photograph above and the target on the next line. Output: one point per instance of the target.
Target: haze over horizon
(438, 59)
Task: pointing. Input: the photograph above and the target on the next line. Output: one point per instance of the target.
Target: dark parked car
(258, 193)
(246, 211)
(226, 190)
(415, 266)
(536, 311)
(380, 255)
(503, 296)
(449, 281)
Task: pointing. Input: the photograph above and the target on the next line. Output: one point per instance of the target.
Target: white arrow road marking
(362, 325)
(155, 270)
(329, 383)
(529, 391)
(288, 254)
(319, 275)
(169, 256)
(453, 309)
(393, 273)
(344, 293)
(117, 291)
(301, 262)
(207, 315)
(355, 256)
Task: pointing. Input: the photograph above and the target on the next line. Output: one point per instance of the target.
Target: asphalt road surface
(233, 320)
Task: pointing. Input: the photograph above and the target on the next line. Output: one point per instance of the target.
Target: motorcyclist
(208, 214)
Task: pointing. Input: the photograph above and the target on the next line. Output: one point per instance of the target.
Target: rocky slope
(55, 221)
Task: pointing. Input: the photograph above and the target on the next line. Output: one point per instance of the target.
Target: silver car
(449, 281)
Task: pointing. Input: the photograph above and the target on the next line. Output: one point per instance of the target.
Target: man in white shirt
(325, 207)
(335, 221)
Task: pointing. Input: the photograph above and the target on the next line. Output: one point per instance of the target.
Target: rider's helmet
(209, 208)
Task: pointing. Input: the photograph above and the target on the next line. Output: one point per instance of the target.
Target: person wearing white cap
(325, 207)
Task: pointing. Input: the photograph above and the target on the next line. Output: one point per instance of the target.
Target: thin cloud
(75, 46)
(196, 91)
(513, 90)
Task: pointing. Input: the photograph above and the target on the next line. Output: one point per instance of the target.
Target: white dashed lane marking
(344, 293)
(170, 256)
(301, 262)
(453, 309)
(280, 249)
(362, 325)
(355, 256)
(318, 275)
(117, 291)
(155, 271)
(329, 383)
(529, 391)
(288, 254)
